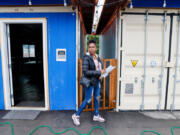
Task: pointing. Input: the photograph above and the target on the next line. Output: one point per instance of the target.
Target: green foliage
(93, 37)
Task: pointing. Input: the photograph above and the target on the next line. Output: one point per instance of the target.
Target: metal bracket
(159, 84)
(142, 107)
(169, 64)
(120, 79)
(136, 80)
(121, 49)
(142, 83)
(153, 80)
(165, 19)
(172, 107)
(160, 76)
(146, 17)
(165, 16)
(159, 106)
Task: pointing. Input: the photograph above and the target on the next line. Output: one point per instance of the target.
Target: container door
(10, 65)
(173, 98)
(143, 54)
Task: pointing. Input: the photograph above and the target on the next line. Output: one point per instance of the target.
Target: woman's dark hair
(91, 41)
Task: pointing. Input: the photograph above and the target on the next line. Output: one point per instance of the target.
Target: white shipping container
(147, 61)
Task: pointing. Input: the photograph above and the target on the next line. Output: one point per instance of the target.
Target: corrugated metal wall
(108, 42)
(61, 33)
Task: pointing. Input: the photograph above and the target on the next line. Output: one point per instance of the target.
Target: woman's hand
(102, 71)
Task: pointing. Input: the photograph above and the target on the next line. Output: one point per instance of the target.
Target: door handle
(169, 64)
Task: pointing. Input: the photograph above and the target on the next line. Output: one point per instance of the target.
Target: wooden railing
(108, 88)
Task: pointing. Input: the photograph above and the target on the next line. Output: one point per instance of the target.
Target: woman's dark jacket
(89, 69)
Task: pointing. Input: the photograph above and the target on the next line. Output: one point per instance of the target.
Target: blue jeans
(88, 97)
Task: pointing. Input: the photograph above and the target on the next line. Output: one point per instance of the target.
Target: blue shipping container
(61, 33)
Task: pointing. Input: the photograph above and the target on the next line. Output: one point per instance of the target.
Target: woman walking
(92, 68)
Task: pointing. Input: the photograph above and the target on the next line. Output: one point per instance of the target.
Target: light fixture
(65, 3)
(131, 5)
(97, 14)
(30, 2)
(164, 4)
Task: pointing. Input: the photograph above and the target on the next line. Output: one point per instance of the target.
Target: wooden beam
(121, 5)
(83, 28)
(74, 3)
(125, 4)
(96, 1)
(113, 17)
(82, 20)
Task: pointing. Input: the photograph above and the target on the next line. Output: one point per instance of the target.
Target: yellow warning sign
(134, 62)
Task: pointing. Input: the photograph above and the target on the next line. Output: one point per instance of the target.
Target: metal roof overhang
(87, 7)
(109, 13)
(111, 7)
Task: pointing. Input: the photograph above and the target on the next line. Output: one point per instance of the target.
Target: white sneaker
(98, 118)
(76, 119)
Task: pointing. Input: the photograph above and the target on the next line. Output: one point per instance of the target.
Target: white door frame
(3, 42)
(9, 64)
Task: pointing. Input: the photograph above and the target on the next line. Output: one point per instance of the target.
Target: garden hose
(76, 131)
(156, 133)
(52, 131)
